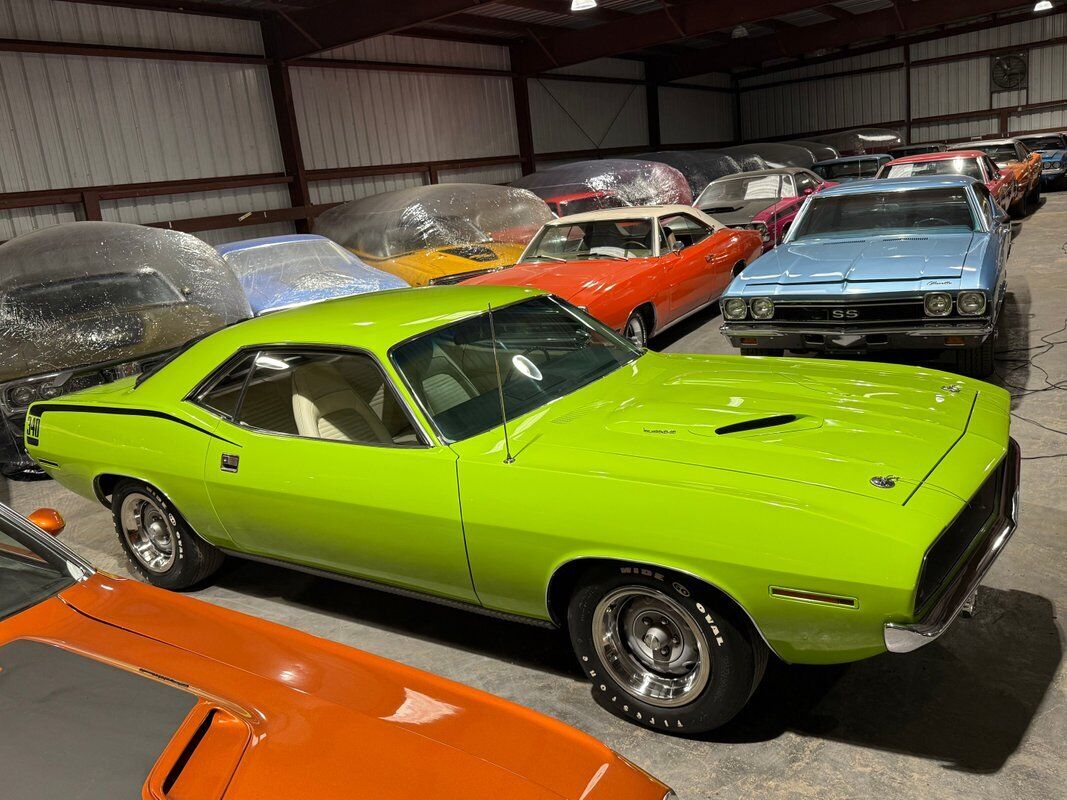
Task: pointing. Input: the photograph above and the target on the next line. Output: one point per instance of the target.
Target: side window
(338, 396)
(805, 182)
(984, 203)
(683, 228)
(224, 393)
(788, 187)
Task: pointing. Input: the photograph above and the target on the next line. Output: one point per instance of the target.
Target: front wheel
(636, 330)
(977, 362)
(159, 543)
(664, 651)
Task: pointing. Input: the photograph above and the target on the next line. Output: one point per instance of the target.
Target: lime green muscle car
(681, 516)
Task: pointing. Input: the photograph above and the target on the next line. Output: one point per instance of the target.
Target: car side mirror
(48, 520)
(808, 190)
(677, 247)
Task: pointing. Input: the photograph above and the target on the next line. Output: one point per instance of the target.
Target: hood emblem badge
(885, 481)
(954, 388)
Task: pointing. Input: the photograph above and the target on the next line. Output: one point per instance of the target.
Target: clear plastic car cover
(607, 183)
(859, 141)
(775, 154)
(699, 168)
(88, 293)
(430, 217)
(281, 271)
(821, 151)
(749, 160)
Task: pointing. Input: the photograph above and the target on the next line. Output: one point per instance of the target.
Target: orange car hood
(326, 720)
(575, 281)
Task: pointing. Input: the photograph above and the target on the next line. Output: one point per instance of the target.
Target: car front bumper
(858, 339)
(1049, 174)
(903, 638)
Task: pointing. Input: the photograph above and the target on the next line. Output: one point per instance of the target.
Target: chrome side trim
(904, 638)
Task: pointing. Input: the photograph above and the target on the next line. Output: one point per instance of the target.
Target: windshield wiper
(606, 255)
(550, 258)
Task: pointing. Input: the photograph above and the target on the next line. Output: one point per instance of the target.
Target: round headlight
(938, 304)
(734, 308)
(48, 392)
(971, 303)
(21, 396)
(762, 308)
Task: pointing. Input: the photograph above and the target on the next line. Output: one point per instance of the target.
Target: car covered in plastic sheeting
(859, 141)
(86, 303)
(749, 160)
(282, 271)
(850, 168)
(698, 167)
(882, 265)
(439, 233)
(775, 154)
(765, 201)
(819, 150)
(917, 149)
(1052, 147)
(607, 183)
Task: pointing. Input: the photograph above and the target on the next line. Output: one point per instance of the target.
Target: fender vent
(756, 424)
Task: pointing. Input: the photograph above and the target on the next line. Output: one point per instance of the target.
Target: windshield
(1001, 153)
(945, 166)
(93, 293)
(26, 577)
(293, 259)
(1044, 143)
(544, 350)
(847, 169)
(625, 238)
(756, 187)
(880, 213)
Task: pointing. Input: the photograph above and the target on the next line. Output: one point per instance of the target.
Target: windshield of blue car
(944, 166)
(543, 349)
(1044, 143)
(943, 209)
(753, 187)
(26, 575)
(594, 239)
(290, 259)
(83, 295)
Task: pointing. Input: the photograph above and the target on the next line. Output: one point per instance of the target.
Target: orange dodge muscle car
(1015, 158)
(111, 688)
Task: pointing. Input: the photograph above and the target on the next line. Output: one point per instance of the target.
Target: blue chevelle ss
(910, 263)
(283, 271)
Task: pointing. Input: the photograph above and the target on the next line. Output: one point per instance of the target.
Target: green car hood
(830, 424)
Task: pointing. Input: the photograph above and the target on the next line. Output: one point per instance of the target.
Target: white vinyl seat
(327, 407)
(443, 391)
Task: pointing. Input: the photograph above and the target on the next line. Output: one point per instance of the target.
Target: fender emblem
(885, 481)
(954, 388)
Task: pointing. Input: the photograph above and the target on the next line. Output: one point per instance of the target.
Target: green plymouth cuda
(681, 516)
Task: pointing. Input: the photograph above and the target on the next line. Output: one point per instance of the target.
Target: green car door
(318, 463)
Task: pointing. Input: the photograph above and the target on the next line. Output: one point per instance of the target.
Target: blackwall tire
(977, 362)
(709, 660)
(161, 547)
(636, 330)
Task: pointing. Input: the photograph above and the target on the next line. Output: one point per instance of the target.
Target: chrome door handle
(229, 462)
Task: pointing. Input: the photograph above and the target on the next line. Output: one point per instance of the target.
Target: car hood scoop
(832, 424)
(77, 727)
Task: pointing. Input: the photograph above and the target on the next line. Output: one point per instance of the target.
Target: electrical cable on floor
(1028, 360)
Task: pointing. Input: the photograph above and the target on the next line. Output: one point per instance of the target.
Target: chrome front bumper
(854, 337)
(903, 638)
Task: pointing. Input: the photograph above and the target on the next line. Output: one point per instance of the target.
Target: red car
(765, 200)
(110, 688)
(639, 270)
(971, 163)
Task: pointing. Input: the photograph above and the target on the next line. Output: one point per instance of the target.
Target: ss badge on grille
(844, 313)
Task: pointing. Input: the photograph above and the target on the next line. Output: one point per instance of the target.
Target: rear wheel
(636, 329)
(159, 543)
(662, 650)
(977, 362)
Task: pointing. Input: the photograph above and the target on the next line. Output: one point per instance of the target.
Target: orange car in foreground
(110, 688)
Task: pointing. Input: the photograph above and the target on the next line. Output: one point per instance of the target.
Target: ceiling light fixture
(582, 5)
(740, 32)
(1043, 5)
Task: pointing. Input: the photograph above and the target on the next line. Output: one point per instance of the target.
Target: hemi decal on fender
(43, 408)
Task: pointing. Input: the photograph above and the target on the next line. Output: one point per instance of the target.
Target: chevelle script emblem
(884, 481)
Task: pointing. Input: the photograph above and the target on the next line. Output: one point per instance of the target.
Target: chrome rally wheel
(635, 330)
(149, 532)
(652, 646)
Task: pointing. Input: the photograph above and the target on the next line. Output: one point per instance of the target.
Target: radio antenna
(500, 389)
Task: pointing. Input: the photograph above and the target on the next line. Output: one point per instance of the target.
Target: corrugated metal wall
(575, 115)
(692, 115)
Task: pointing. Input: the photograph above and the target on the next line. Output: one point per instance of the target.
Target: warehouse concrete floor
(980, 713)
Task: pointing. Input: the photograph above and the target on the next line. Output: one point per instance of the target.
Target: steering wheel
(935, 220)
(512, 369)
